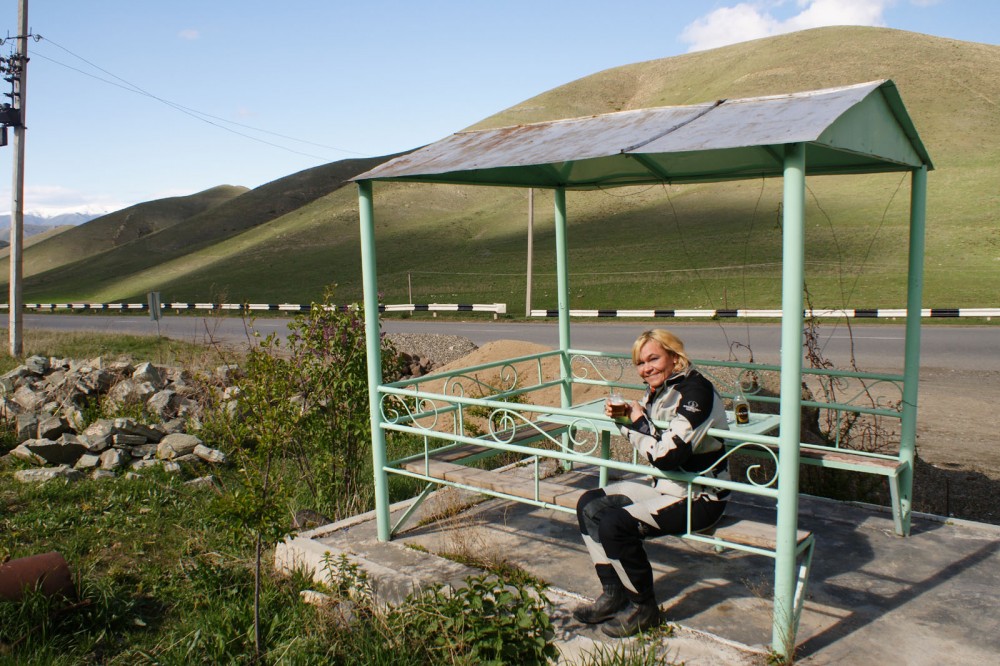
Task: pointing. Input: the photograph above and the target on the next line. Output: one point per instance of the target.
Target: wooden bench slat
(850, 459)
(733, 530)
(751, 533)
(813, 456)
(460, 452)
(523, 433)
(552, 493)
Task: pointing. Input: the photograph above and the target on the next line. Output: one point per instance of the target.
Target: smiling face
(655, 364)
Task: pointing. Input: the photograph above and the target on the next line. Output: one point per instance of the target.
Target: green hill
(118, 229)
(35, 237)
(108, 267)
(682, 246)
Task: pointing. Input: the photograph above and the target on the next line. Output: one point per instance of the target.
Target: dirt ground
(958, 444)
(958, 432)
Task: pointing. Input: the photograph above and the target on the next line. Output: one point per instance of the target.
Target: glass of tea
(619, 406)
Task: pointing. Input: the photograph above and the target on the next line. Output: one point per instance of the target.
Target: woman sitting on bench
(614, 520)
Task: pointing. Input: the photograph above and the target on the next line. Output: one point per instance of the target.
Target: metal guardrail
(858, 313)
(496, 308)
(501, 308)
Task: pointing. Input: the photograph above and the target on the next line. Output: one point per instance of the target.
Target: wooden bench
(888, 466)
(454, 458)
(498, 484)
(467, 453)
(738, 533)
(731, 532)
(449, 465)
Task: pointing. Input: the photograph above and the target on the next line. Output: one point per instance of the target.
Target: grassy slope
(36, 238)
(119, 229)
(694, 246)
(118, 271)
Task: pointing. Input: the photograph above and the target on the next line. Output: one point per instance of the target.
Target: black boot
(633, 619)
(612, 600)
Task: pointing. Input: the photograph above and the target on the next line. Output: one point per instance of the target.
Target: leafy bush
(328, 353)
(300, 427)
(488, 621)
(300, 423)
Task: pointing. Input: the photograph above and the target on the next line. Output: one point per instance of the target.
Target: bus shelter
(851, 130)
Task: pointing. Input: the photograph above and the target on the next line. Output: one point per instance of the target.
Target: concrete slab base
(873, 597)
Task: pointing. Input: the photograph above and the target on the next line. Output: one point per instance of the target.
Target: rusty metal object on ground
(47, 572)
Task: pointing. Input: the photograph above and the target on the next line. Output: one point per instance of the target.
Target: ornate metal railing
(487, 404)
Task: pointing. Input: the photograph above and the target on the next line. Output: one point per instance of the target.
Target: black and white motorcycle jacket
(690, 405)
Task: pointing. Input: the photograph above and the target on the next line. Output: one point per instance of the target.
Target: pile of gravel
(440, 349)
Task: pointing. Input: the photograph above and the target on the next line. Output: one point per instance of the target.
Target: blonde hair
(670, 343)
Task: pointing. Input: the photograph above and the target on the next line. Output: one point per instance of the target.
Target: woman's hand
(635, 411)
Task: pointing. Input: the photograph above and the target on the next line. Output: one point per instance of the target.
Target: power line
(194, 113)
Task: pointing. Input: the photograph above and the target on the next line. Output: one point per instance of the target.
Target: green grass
(705, 246)
(164, 572)
(148, 555)
(163, 578)
(86, 344)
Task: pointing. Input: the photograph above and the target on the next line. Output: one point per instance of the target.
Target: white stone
(201, 481)
(147, 373)
(40, 475)
(56, 453)
(315, 598)
(88, 461)
(177, 444)
(22, 452)
(210, 455)
(112, 459)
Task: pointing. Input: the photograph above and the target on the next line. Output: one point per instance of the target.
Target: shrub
(300, 426)
(485, 622)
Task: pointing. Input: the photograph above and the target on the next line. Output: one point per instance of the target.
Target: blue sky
(132, 101)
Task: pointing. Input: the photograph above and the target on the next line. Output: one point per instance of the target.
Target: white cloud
(189, 34)
(754, 20)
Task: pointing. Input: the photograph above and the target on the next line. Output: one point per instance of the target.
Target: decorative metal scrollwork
(506, 376)
(864, 393)
(586, 364)
(506, 423)
(406, 409)
(749, 381)
(751, 469)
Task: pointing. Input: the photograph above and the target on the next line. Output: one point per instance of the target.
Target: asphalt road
(875, 346)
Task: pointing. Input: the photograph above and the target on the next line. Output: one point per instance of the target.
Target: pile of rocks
(414, 365)
(422, 352)
(45, 398)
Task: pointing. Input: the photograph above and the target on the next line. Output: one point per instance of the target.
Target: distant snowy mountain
(36, 224)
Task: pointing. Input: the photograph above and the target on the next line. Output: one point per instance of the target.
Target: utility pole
(531, 241)
(18, 77)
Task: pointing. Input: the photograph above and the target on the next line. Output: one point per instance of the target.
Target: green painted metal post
(562, 286)
(792, 281)
(373, 344)
(911, 363)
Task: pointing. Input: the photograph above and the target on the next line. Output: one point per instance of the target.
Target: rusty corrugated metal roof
(852, 129)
